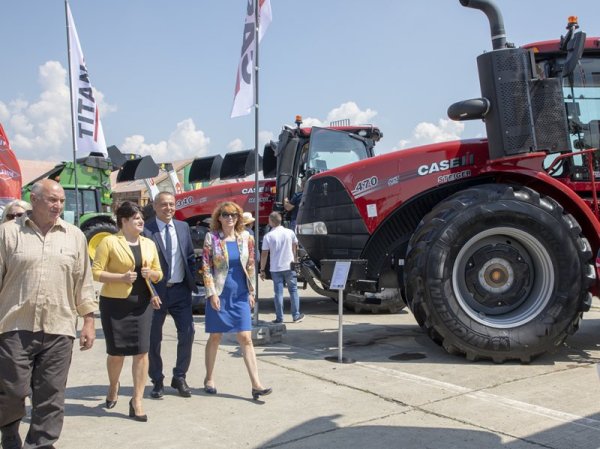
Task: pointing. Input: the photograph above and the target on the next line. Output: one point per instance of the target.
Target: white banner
(151, 187)
(175, 180)
(243, 99)
(89, 136)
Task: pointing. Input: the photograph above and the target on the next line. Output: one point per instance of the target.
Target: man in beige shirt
(45, 283)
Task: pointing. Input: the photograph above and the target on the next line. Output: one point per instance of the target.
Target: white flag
(243, 99)
(89, 135)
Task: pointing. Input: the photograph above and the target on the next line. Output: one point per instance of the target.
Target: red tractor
(342, 144)
(490, 242)
(350, 143)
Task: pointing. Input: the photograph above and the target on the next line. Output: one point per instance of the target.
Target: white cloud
(41, 129)
(351, 111)
(4, 114)
(310, 121)
(238, 144)
(263, 138)
(186, 142)
(426, 133)
(346, 111)
(235, 145)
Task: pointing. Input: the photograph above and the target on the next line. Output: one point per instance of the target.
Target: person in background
(125, 263)
(15, 209)
(282, 245)
(292, 205)
(248, 221)
(177, 259)
(40, 300)
(228, 271)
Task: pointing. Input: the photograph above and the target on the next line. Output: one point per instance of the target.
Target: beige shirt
(45, 281)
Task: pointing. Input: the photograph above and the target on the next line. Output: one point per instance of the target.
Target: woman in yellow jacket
(126, 263)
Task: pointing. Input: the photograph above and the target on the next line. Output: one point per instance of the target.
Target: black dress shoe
(140, 418)
(181, 386)
(158, 391)
(10, 436)
(257, 393)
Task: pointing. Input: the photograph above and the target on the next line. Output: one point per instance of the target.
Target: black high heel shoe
(111, 404)
(210, 390)
(141, 418)
(257, 393)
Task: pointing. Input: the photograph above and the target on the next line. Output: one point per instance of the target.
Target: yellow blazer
(113, 255)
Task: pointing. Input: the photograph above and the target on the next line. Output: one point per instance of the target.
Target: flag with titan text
(243, 99)
(89, 136)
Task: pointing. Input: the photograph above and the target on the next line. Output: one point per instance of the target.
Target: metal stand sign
(338, 282)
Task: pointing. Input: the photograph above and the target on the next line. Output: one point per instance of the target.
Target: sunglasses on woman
(229, 214)
(13, 216)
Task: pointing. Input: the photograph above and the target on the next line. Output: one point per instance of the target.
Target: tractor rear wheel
(498, 272)
(96, 233)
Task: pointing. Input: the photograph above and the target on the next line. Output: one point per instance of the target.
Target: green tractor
(94, 194)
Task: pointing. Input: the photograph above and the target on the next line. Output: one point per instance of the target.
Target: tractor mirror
(574, 52)
(269, 160)
(475, 108)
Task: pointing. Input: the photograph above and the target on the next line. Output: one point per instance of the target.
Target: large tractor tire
(95, 233)
(498, 272)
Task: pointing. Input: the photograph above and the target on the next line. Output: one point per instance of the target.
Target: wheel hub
(497, 278)
(496, 275)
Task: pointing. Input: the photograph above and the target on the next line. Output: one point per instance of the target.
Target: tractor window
(87, 201)
(331, 148)
(582, 100)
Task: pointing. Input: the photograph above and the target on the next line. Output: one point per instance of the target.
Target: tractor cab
(581, 96)
(303, 152)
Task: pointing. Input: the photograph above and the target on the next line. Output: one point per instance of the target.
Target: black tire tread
(427, 233)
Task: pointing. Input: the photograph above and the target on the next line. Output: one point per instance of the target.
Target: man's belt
(172, 284)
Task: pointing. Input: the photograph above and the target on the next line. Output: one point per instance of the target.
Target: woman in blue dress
(228, 272)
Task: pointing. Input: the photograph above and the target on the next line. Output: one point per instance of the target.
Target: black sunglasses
(13, 216)
(228, 214)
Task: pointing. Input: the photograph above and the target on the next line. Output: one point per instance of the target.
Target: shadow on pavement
(323, 432)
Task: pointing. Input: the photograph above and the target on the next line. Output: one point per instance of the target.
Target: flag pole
(256, 193)
(72, 116)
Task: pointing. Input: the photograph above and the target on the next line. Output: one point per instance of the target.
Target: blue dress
(234, 315)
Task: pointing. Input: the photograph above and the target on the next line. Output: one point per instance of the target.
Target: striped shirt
(45, 281)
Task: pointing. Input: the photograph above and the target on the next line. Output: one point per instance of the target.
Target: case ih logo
(446, 164)
(7, 174)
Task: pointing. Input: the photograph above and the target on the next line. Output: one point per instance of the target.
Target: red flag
(10, 172)
(243, 99)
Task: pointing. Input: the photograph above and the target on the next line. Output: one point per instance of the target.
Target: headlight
(316, 228)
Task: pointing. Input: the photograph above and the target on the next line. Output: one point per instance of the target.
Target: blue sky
(165, 69)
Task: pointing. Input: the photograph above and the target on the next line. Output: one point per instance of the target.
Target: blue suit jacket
(186, 249)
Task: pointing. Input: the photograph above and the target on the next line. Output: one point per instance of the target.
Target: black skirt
(126, 324)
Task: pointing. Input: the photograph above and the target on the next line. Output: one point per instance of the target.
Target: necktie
(169, 250)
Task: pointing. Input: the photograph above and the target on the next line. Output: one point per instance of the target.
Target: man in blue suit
(177, 260)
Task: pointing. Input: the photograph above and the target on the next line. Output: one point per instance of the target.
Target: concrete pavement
(403, 392)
